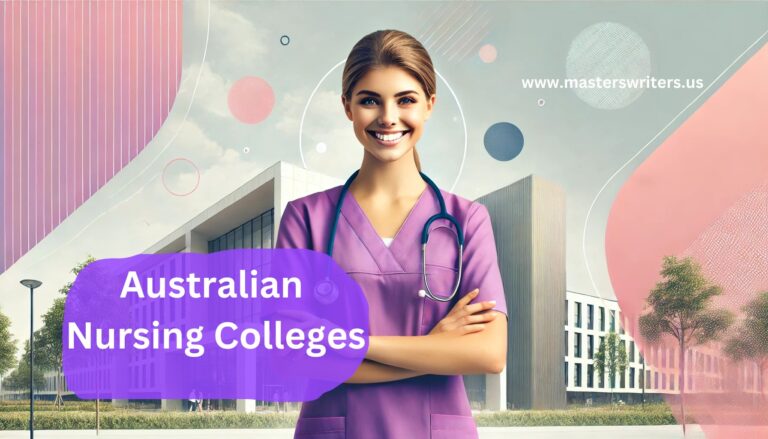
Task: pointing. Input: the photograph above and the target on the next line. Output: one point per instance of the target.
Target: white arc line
(594, 201)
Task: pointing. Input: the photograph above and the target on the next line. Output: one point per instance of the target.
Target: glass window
(663, 381)
(672, 355)
(602, 318)
(601, 380)
(590, 346)
(247, 235)
(566, 343)
(239, 237)
(613, 321)
(622, 379)
(577, 375)
(590, 376)
(577, 344)
(631, 377)
(256, 233)
(577, 315)
(621, 324)
(631, 351)
(655, 380)
(566, 312)
(565, 370)
(268, 231)
(671, 381)
(590, 316)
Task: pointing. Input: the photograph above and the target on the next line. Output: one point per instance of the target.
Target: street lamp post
(31, 284)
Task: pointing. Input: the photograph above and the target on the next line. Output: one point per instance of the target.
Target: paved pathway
(629, 432)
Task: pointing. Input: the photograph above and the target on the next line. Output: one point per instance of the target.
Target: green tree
(750, 341)
(19, 378)
(611, 357)
(680, 306)
(51, 334)
(7, 345)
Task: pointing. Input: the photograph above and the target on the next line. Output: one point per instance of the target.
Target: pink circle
(488, 53)
(251, 99)
(165, 171)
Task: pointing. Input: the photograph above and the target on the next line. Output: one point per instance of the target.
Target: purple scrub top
(428, 406)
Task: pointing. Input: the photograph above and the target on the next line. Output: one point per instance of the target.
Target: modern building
(528, 220)
(553, 333)
(589, 319)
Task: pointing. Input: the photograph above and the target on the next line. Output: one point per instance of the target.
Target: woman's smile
(388, 138)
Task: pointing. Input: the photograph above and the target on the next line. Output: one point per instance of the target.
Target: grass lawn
(14, 415)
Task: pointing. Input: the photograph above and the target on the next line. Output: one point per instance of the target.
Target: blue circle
(503, 141)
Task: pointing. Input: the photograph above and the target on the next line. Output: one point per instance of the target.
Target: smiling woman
(388, 107)
(247, 286)
(409, 384)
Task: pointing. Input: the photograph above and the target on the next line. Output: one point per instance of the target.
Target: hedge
(658, 414)
(651, 415)
(129, 420)
(83, 406)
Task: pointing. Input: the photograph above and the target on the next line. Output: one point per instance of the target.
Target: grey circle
(608, 51)
(503, 141)
(285, 40)
(541, 102)
(246, 149)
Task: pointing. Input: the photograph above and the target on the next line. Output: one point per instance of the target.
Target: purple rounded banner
(270, 325)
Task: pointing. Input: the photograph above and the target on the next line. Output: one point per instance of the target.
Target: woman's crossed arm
(469, 340)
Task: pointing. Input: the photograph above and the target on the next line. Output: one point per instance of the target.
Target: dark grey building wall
(528, 220)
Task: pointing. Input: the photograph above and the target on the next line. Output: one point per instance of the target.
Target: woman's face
(388, 109)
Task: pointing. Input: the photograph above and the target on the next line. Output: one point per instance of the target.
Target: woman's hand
(465, 318)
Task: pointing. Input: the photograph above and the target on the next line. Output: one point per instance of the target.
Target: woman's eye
(372, 101)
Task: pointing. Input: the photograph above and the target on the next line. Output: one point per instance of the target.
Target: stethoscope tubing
(443, 214)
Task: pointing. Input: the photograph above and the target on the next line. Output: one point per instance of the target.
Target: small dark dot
(285, 40)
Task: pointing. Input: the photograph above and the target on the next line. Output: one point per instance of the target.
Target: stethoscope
(443, 214)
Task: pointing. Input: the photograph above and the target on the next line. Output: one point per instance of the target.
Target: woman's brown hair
(386, 48)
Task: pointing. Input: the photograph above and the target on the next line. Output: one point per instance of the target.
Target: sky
(587, 142)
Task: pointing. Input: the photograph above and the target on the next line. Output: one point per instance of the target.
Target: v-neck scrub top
(427, 406)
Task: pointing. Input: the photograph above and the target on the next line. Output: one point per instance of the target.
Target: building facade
(553, 333)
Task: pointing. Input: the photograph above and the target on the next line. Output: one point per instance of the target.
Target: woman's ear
(347, 108)
(430, 105)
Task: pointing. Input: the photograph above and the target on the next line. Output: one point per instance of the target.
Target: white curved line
(594, 201)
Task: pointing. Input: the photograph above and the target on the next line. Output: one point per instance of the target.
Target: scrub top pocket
(331, 427)
(452, 427)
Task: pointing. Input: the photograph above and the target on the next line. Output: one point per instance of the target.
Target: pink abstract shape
(487, 53)
(84, 87)
(251, 100)
(703, 193)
